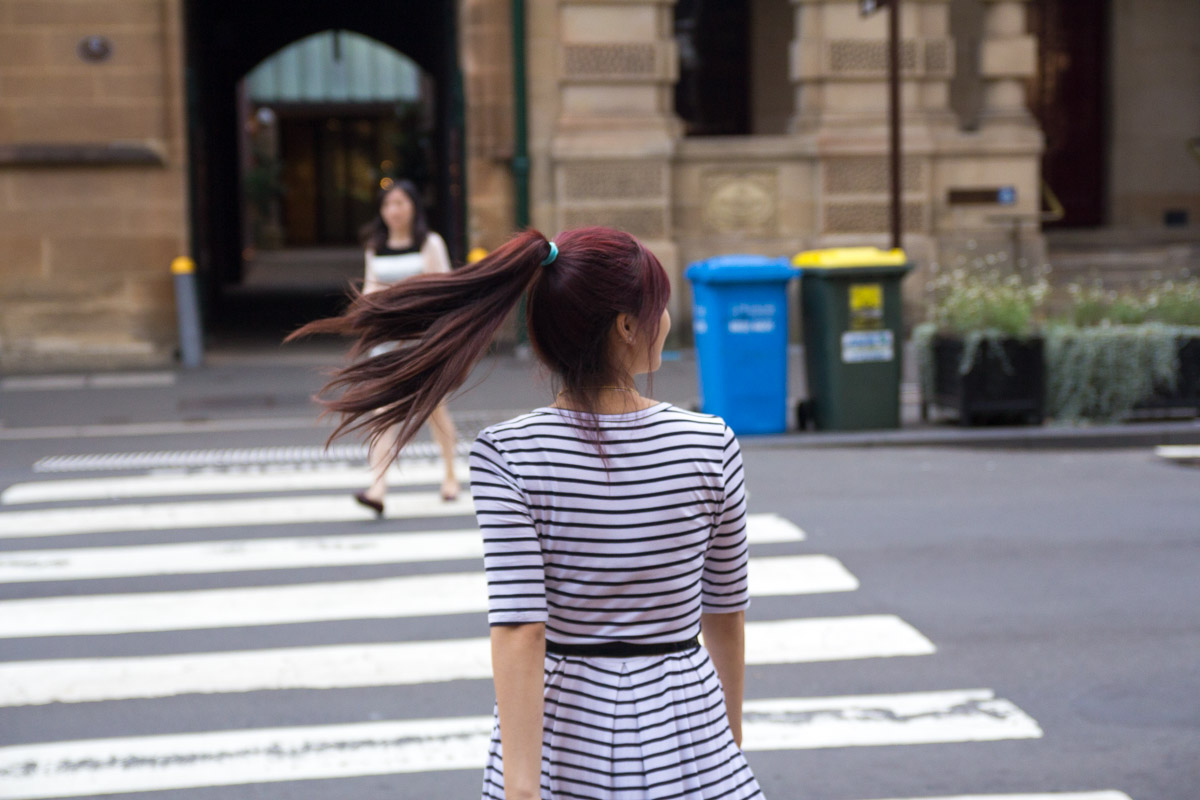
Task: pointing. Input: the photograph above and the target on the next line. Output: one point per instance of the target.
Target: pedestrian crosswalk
(425, 563)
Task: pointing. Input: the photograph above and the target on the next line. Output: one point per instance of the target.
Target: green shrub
(1102, 372)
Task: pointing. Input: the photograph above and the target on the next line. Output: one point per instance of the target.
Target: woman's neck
(399, 239)
(609, 400)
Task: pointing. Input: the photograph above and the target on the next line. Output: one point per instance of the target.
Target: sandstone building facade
(123, 136)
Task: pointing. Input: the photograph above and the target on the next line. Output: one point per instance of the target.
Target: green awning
(335, 67)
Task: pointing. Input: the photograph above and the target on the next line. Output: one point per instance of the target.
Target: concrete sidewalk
(271, 388)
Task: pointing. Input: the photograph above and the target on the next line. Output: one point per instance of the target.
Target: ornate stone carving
(939, 57)
(613, 180)
(741, 202)
(610, 60)
(644, 222)
(868, 56)
(871, 217)
(867, 174)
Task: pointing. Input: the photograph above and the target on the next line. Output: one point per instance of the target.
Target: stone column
(485, 33)
(839, 65)
(1008, 56)
(616, 130)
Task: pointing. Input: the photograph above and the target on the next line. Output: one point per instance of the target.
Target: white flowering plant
(1169, 302)
(987, 302)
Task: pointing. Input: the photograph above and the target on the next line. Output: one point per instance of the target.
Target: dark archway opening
(1069, 97)
(226, 39)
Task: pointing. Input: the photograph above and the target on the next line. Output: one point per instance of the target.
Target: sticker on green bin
(866, 306)
(861, 347)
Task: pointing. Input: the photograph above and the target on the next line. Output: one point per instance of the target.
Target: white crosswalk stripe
(220, 514)
(223, 758)
(379, 598)
(1179, 453)
(169, 760)
(229, 481)
(127, 561)
(341, 666)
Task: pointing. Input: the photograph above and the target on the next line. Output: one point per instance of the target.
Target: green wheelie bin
(852, 309)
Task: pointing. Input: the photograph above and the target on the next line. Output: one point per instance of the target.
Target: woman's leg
(447, 439)
(380, 457)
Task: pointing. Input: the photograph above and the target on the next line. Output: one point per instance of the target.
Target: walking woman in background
(400, 245)
(614, 526)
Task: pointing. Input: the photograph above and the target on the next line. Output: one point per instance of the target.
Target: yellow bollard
(187, 311)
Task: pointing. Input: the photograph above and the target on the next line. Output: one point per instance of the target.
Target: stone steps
(1115, 264)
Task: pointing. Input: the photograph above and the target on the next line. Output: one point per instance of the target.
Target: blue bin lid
(741, 269)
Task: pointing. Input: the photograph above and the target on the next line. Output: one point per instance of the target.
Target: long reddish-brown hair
(444, 323)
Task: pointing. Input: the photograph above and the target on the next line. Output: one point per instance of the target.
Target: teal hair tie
(548, 260)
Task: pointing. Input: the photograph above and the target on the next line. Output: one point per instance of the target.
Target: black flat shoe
(374, 505)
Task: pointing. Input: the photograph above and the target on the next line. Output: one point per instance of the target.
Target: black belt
(621, 649)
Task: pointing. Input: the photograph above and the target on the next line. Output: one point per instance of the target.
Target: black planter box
(997, 389)
(1185, 397)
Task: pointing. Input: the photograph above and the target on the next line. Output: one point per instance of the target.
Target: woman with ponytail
(614, 526)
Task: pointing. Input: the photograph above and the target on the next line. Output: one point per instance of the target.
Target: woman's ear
(625, 327)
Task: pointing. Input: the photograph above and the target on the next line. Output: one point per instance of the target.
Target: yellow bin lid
(834, 257)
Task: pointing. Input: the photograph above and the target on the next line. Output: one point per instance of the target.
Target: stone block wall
(1155, 84)
(93, 182)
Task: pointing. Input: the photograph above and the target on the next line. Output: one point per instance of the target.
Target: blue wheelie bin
(739, 317)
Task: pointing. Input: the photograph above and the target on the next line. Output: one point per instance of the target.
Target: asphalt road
(962, 622)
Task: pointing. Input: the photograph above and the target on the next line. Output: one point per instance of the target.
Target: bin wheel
(803, 415)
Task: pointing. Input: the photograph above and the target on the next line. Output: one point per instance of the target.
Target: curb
(1139, 435)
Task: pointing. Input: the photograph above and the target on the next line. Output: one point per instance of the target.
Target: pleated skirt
(645, 728)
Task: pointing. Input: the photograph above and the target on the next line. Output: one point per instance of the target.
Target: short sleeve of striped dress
(726, 563)
(512, 554)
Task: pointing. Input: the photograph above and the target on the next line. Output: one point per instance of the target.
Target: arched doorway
(226, 41)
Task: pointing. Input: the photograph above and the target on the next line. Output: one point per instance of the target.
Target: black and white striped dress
(633, 551)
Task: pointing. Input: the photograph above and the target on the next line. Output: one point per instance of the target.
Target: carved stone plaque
(742, 202)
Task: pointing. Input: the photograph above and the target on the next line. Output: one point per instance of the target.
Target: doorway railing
(1054, 212)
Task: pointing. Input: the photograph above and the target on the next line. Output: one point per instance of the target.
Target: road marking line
(103, 380)
(244, 555)
(379, 598)
(226, 457)
(159, 429)
(227, 758)
(42, 383)
(468, 422)
(1108, 795)
(232, 482)
(1183, 453)
(974, 715)
(85, 680)
(222, 514)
